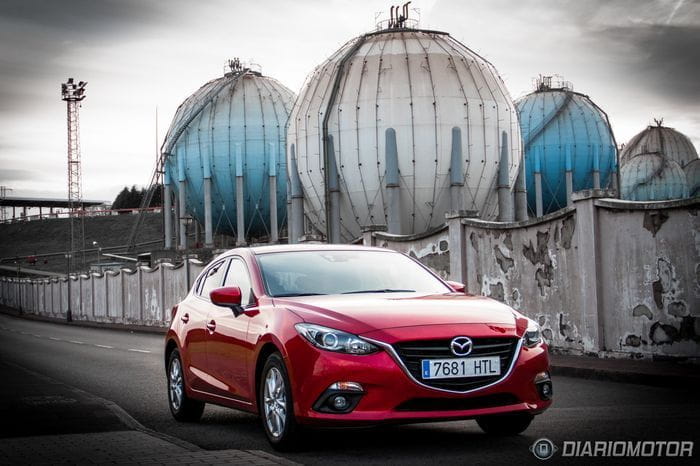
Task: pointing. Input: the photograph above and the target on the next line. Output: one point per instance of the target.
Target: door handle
(211, 326)
(185, 318)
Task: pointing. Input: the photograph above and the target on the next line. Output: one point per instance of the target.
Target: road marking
(76, 342)
(37, 336)
(138, 350)
(105, 346)
(55, 339)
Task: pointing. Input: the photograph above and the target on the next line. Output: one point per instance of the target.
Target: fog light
(546, 390)
(340, 403)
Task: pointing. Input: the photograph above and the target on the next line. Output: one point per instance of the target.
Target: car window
(213, 279)
(301, 273)
(238, 276)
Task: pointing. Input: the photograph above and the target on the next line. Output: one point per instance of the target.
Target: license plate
(460, 367)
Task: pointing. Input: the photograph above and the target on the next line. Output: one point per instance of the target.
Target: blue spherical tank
(652, 177)
(232, 126)
(564, 130)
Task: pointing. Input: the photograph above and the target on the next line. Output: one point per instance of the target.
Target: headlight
(533, 336)
(334, 340)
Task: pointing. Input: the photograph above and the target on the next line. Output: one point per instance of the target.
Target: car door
(194, 318)
(227, 347)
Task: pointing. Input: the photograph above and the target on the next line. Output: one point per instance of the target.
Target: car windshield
(307, 273)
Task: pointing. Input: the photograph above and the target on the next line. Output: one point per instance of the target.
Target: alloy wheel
(275, 401)
(175, 385)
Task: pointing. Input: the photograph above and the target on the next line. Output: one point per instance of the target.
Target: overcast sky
(637, 59)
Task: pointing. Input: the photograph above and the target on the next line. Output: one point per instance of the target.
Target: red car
(335, 335)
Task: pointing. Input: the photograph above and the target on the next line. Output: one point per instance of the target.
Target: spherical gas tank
(393, 111)
(233, 126)
(564, 130)
(692, 176)
(652, 177)
(673, 144)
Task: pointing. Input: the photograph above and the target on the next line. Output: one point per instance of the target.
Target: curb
(612, 375)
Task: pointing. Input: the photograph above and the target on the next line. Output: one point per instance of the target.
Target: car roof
(311, 247)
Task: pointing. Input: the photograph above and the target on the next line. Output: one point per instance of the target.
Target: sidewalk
(46, 422)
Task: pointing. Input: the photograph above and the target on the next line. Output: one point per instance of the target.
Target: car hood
(364, 313)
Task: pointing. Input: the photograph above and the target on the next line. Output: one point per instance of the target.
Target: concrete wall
(142, 296)
(604, 276)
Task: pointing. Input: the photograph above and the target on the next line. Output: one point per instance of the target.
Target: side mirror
(229, 296)
(456, 286)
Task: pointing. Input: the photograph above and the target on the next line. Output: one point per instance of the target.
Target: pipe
(456, 178)
(182, 213)
(391, 179)
(569, 176)
(272, 174)
(167, 214)
(505, 197)
(596, 167)
(538, 184)
(240, 203)
(208, 231)
(334, 194)
(521, 193)
(296, 227)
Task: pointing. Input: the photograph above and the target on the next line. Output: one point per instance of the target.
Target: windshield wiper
(383, 290)
(288, 295)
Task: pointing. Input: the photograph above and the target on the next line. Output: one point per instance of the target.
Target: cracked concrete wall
(650, 260)
(534, 268)
(432, 250)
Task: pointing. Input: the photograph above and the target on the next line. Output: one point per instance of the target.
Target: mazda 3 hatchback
(335, 335)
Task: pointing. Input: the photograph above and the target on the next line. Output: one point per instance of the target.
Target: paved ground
(127, 368)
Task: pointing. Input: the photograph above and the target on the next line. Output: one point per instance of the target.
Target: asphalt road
(127, 368)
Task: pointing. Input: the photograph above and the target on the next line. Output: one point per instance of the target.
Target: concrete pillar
(538, 183)
(40, 213)
(505, 197)
(569, 175)
(240, 201)
(272, 174)
(197, 233)
(521, 193)
(14, 213)
(208, 230)
(167, 212)
(589, 270)
(296, 219)
(596, 167)
(391, 178)
(456, 177)
(333, 195)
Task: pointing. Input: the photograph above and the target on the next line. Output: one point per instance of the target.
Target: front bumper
(392, 395)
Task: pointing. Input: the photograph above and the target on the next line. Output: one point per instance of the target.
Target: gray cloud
(11, 175)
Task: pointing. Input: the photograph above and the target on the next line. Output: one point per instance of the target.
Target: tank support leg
(505, 197)
(208, 234)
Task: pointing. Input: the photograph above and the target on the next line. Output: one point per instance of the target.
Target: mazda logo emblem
(461, 346)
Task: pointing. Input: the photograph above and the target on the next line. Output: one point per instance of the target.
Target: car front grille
(412, 352)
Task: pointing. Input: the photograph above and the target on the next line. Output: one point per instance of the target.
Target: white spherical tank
(403, 115)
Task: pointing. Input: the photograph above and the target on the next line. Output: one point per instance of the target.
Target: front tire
(505, 424)
(276, 406)
(182, 407)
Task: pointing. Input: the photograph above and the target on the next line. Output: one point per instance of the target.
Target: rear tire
(277, 407)
(182, 407)
(505, 424)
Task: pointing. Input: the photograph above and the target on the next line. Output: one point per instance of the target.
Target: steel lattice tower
(73, 94)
